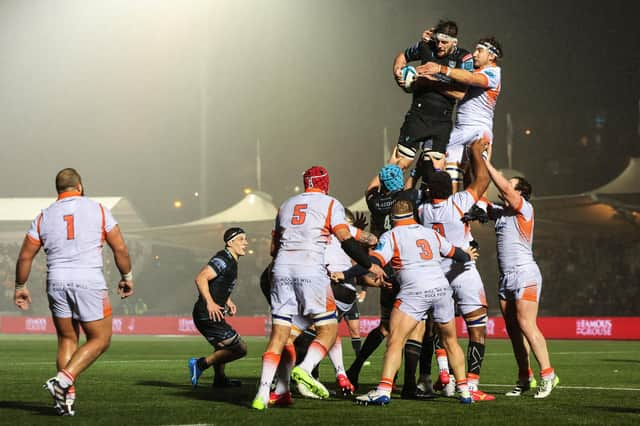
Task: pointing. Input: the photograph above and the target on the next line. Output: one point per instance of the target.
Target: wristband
(20, 286)
(128, 276)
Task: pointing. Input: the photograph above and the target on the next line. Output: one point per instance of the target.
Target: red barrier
(621, 328)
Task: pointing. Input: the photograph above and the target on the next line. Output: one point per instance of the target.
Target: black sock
(412, 351)
(475, 356)
(202, 364)
(426, 355)
(356, 343)
(369, 346)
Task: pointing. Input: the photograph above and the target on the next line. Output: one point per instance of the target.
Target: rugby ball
(409, 75)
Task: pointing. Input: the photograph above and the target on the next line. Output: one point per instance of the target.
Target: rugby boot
(374, 397)
(546, 386)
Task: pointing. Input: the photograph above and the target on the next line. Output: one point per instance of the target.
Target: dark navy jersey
(431, 101)
(226, 269)
(380, 203)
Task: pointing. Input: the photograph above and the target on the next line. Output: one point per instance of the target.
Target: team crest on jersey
(452, 64)
(220, 264)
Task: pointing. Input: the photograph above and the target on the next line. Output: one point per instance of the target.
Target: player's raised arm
(509, 193)
(480, 171)
(399, 62)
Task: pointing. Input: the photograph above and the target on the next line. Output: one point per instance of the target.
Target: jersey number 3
(71, 233)
(299, 214)
(426, 252)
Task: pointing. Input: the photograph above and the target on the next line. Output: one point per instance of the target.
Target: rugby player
(215, 282)
(300, 283)
(520, 282)
(444, 213)
(380, 198)
(415, 252)
(474, 115)
(72, 232)
(429, 119)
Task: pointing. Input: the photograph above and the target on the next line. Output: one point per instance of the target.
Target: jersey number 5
(426, 252)
(299, 214)
(71, 233)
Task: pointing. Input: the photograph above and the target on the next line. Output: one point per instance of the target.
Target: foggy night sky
(121, 91)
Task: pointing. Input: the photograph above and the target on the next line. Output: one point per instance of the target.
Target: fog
(157, 100)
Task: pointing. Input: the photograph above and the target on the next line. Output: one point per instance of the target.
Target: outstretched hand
(360, 220)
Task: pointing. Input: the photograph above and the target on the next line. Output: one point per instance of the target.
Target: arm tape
(460, 255)
(356, 252)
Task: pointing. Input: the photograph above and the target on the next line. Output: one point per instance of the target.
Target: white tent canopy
(359, 206)
(255, 210)
(254, 207)
(628, 182)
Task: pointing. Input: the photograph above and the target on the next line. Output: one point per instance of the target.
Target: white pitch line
(493, 385)
(124, 361)
(566, 353)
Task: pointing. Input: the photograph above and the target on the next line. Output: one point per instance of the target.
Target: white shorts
(418, 304)
(522, 283)
(468, 290)
(78, 300)
(460, 138)
(301, 290)
(300, 324)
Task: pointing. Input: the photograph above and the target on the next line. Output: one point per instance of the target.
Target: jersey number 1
(299, 214)
(71, 234)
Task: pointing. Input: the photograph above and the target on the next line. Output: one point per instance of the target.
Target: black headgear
(231, 233)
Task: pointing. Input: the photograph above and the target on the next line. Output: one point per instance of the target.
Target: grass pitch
(145, 381)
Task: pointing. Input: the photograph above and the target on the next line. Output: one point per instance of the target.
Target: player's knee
(240, 349)
(103, 343)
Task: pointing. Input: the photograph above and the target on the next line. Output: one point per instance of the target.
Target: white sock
(270, 361)
(315, 353)
(335, 355)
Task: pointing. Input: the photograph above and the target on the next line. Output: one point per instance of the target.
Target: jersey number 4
(299, 214)
(425, 252)
(71, 233)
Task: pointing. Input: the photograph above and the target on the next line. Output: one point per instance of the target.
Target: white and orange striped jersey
(478, 104)
(304, 225)
(415, 253)
(444, 217)
(72, 232)
(514, 235)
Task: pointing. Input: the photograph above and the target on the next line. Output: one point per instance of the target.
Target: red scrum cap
(316, 177)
